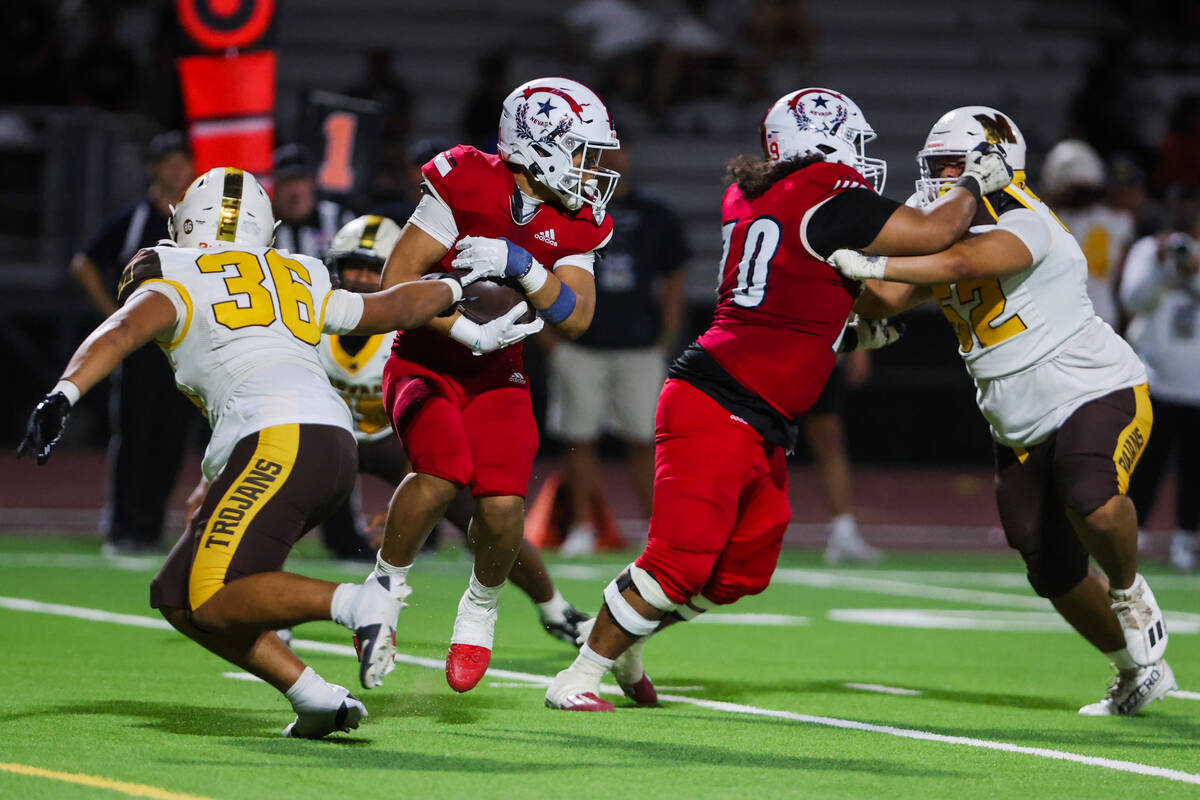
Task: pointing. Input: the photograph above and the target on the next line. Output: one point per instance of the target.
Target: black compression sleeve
(851, 219)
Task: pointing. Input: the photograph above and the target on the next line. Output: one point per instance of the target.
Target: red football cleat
(641, 691)
(580, 701)
(466, 665)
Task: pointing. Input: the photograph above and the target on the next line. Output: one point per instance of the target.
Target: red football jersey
(781, 308)
(479, 189)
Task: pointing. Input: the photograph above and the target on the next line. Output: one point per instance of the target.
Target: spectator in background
(307, 224)
(618, 366)
(1073, 180)
(826, 439)
(479, 115)
(151, 421)
(104, 74)
(394, 96)
(1178, 162)
(1161, 287)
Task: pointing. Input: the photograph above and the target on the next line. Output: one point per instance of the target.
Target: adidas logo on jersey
(517, 378)
(547, 237)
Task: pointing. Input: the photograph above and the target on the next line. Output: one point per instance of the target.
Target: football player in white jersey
(240, 322)
(1065, 397)
(354, 365)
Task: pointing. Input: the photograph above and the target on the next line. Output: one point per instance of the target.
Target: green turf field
(760, 709)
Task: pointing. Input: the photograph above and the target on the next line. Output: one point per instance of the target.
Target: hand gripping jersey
(479, 190)
(781, 308)
(1032, 341)
(354, 365)
(243, 347)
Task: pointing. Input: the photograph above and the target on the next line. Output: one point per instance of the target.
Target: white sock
(310, 691)
(555, 608)
(844, 522)
(483, 596)
(1125, 594)
(399, 575)
(1122, 659)
(344, 597)
(591, 663)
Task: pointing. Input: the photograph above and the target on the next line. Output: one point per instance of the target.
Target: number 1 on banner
(337, 170)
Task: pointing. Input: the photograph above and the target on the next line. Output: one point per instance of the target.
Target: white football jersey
(1104, 234)
(357, 375)
(244, 345)
(1032, 341)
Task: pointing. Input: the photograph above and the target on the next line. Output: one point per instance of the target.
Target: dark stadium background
(85, 84)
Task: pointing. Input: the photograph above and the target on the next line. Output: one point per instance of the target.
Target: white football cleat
(344, 713)
(470, 644)
(628, 669)
(1132, 690)
(373, 619)
(565, 626)
(1142, 622)
(580, 541)
(572, 691)
(845, 544)
(1183, 551)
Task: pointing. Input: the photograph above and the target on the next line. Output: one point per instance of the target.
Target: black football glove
(46, 426)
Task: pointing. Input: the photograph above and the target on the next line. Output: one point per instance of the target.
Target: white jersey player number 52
(252, 303)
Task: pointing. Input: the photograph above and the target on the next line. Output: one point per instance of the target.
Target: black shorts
(277, 484)
(1080, 467)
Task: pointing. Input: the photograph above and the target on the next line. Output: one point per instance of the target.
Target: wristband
(535, 277)
(562, 306)
(466, 333)
(68, 390)
(525, 268)
(456, 289)
(972, 185)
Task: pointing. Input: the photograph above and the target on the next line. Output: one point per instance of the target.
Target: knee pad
(624, 614)
(693, 608)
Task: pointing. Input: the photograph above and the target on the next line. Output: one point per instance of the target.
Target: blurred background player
(1075, 184)
(150, 421)
(1064, 395)
(239, 324)
(354, 365)
(826, 439)
(614, 371)
(729, 410)
(307, 223)
(456, 391)
(1161, 289)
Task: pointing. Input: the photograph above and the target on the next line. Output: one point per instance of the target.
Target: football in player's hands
(489, 299)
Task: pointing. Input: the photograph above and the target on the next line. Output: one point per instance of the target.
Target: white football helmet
(956, 133)
(1070, 163)
(362, 243)
(224, 204)
(544, 124)
(829, 112)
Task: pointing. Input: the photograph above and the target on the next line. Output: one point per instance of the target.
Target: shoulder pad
(144, 265)
(1002, 202)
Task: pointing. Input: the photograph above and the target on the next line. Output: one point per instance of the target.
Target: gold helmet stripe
(231, 205)
(370, 231)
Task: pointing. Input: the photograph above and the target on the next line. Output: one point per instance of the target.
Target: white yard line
(866, 687)
(242, 676)
(97, 615)
(1185, 695)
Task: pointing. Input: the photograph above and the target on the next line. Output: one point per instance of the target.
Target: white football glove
(498, 258)
(985, 163)
(869, 334)
(857, 266)
(497, 334)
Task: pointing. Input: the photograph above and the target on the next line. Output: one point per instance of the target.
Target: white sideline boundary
(98, 615)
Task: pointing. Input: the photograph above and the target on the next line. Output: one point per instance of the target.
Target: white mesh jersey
(1104, 234)
(1032, 341)
(244, 344)
(355, 368)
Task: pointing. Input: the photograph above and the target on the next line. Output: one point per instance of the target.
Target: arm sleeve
(1031, 229)
(169, 291)
(584, 260)
(433, 216)
(1142, 280)
(341, 312)
(850, 219)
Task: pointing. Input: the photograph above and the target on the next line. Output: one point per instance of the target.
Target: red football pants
(720, 501)
(484, 437)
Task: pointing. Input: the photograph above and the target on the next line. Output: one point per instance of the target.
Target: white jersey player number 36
(252, 303)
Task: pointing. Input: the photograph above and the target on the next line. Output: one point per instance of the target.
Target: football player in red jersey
(455, 390)
(728, 411)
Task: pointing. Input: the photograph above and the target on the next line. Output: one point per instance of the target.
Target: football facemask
(954, 135)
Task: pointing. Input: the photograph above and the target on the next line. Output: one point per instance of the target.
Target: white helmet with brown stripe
(363, 243)
(224, 205)
(955, 134)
